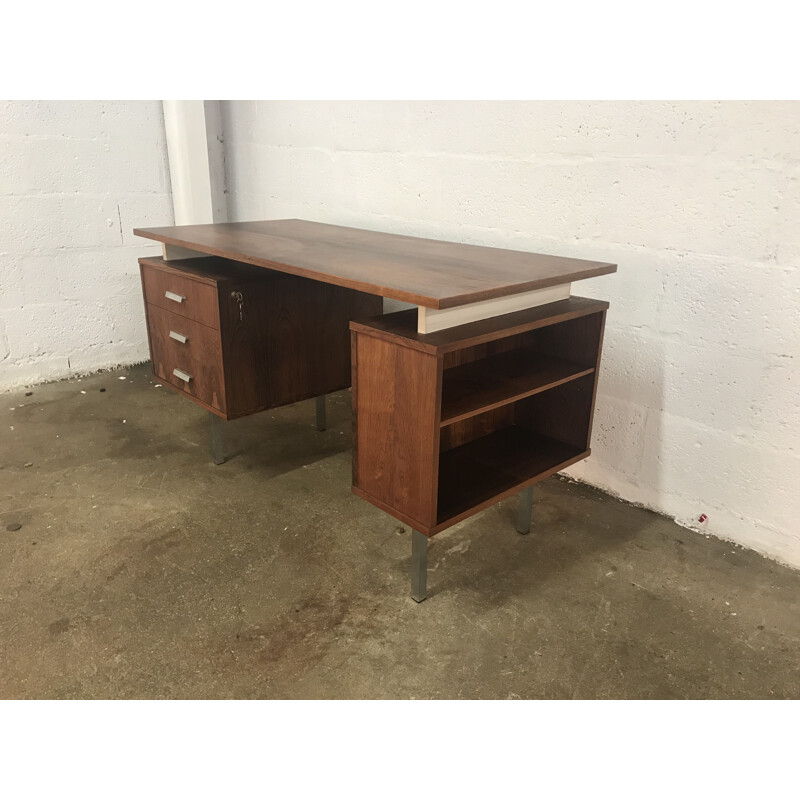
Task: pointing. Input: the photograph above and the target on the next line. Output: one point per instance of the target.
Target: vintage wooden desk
(484, 389)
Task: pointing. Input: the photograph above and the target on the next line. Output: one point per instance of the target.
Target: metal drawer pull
(178, 298)
(178, 337)
(184, 376)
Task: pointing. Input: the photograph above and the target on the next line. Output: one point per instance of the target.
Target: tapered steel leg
(217, 453)
(321, 422)
(525, 510)
(419, 566)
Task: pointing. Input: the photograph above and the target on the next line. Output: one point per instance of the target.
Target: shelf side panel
(397, 427)
(601, 335)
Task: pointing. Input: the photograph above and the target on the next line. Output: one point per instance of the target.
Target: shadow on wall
(683, 419)
(627, 431)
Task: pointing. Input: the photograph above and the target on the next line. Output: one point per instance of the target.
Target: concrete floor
(142, 570)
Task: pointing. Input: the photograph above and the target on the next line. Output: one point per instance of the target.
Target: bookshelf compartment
(502, 462)
(486, 376)
(492, 382)
(498, 452)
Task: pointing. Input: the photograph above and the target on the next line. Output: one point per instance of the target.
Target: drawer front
(176, 292)
(187, 355)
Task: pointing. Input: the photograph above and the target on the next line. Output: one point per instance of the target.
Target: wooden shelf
(491, 382)
(481, 471)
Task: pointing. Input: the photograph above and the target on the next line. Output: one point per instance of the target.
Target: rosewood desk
(484, 389)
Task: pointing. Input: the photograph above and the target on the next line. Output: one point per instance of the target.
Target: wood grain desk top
(426, 272)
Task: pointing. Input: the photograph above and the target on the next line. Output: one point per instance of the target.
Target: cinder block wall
(76, 178)
(699, 203)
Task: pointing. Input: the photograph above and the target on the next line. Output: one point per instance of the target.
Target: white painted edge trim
(430, 320)
(171, 252)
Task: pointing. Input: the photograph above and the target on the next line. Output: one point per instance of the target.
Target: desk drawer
(186, 355)
(175, 291)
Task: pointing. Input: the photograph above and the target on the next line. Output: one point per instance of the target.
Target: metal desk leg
(419, 565)
(525, 510)
(321, 423)
(217, 452)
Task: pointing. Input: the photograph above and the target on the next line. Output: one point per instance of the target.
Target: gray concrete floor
(142, 570)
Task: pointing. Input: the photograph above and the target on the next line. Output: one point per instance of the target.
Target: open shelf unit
(477, 412)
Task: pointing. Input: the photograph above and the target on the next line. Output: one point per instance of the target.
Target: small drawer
(175, 291)
(187, 355)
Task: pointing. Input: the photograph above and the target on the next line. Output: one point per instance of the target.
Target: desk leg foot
(419, 566)
(217, 452)
(321, 422)
(525, 510)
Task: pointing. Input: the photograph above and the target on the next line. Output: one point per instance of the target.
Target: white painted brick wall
(699, 203)
(76, 178)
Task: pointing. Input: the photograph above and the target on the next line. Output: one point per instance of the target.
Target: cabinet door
(287, 339)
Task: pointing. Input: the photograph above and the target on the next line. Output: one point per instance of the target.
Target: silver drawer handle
(184, 376)
(178, 337)
(178, 298)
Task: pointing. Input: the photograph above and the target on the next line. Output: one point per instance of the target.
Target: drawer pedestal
(238, 339)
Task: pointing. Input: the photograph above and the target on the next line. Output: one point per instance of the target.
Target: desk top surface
(426, 272)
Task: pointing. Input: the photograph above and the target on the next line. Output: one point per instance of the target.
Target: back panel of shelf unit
(473, 428)
(563, 413)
